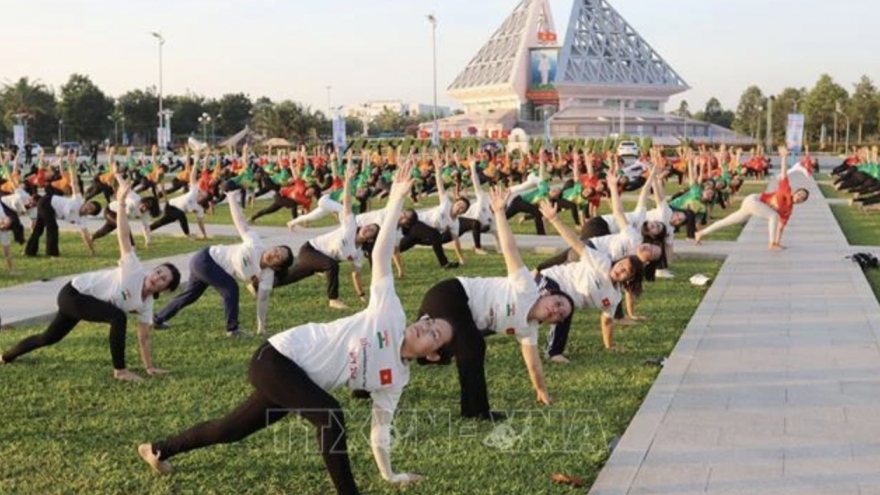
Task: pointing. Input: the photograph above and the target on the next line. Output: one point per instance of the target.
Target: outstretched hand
(402, 180)
(124, 188)
(548, 210)
(498, 199)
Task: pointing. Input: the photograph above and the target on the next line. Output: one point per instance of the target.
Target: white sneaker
(146, 452)
(479, 251)
(559, 358)
(337, 304)
(664, 273)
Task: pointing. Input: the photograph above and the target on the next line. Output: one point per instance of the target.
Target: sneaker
(161, 325)
(664, 273)
(481, 252)
(146, 452)
(337, 304)
(559, 358)
(238, 334)
(451, 265)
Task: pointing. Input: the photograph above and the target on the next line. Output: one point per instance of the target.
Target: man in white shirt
(220, 266)
(52, 209)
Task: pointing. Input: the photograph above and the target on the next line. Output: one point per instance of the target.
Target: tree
(234, 110)
(863, 107)
(85, 109)
(751, 108)
(683, 110)
(35, 104)
(187, 110)
(354, 126)
(140, 108)
(820, 106)
(716, 114)
(790, 100)
(388, 121)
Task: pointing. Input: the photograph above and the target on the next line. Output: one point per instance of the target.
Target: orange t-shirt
(780, 200)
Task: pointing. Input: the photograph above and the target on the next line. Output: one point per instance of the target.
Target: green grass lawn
(68, 427)
(861, 229)
(829, 192)
(75, 257)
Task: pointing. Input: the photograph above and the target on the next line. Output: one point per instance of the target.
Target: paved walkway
(774, 387)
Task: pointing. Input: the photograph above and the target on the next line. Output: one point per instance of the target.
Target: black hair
(467, 202)
(557, 292)
(96, 206)
(656, 239)
(690, 223)
(175, 278)
(806, 193)
(634, 284)
(408, 217)
(152, 205)
(288, 260)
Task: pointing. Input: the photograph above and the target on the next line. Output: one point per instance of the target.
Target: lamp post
(796, 101)
(433, 20)
(768, 141)
(60, 130)
(124, 140)
(205, 119)
(115, 128)
(214, 134)
(760, 114)
(161, 137)
(841, 112)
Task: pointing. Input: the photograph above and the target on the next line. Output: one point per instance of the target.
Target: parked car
(65, 148)
(627, 148)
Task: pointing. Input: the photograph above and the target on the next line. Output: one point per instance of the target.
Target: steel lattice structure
(494, 63)
(601, 48)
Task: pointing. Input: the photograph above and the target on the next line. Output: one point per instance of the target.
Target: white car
(627, 148)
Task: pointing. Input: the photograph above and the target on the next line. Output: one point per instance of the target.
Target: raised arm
(506, 242)
(643, 195)
(235, 212)
(438, 175)
(384, 247)
(616, 202)
(783, 162)
(568, 235)
(123, 230)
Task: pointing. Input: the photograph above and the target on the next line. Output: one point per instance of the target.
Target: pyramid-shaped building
(603, 79)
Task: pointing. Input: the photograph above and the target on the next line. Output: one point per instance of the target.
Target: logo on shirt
(125, 294)
(606, 302)
(511, 310)
(383, 339)
(385, 376)
(510, 331)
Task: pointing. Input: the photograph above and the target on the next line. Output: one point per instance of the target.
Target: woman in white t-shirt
(296, 369)
(511, 305)
(220, 266)
(189, 202)
(106, 297)
(594, 281)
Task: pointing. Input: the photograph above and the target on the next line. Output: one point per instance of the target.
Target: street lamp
(760, 114)
(796, 101)
(213, 134)
(841, 112)
(161, 137)
(115, 128)
(433, 20)
(60, 129)
(205, 119)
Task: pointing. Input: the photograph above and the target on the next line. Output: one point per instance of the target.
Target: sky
(381, 49)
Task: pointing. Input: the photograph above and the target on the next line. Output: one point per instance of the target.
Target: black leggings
(310, 261)
(47, 222)
(109, 226)
(475, 228)
(519, 205)
(280, 388)
(278, 203)
(170, 215)
(419, 233)
(448, 300)
(72, 308)
(594, 227)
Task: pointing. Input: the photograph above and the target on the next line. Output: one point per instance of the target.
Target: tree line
(826, 105)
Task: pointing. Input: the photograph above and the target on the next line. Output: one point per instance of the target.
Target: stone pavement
(774, 387)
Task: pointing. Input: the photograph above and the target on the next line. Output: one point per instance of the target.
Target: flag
(383, 339)
(385, 377)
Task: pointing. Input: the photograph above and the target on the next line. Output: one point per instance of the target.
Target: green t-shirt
(537, 194)
(691, 200)
(574, 193)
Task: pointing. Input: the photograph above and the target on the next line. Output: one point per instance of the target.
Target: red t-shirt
(780, 200)
(297, 193)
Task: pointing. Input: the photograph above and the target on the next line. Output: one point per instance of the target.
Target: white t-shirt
(619, 246)
(4, 234)
(16, 201)
(67, 209)
(362, 350)
(189, 202)
(132, 209)
(502, 304)
(588, 281)
(635, 218)
(121, 287)
(439, 217)
(243, 260)
(339, 244)
(376, 217)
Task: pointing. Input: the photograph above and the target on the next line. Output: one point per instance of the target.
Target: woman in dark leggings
(106, 297)
(295, 370)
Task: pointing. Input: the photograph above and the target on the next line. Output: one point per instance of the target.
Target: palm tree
(30, 101)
